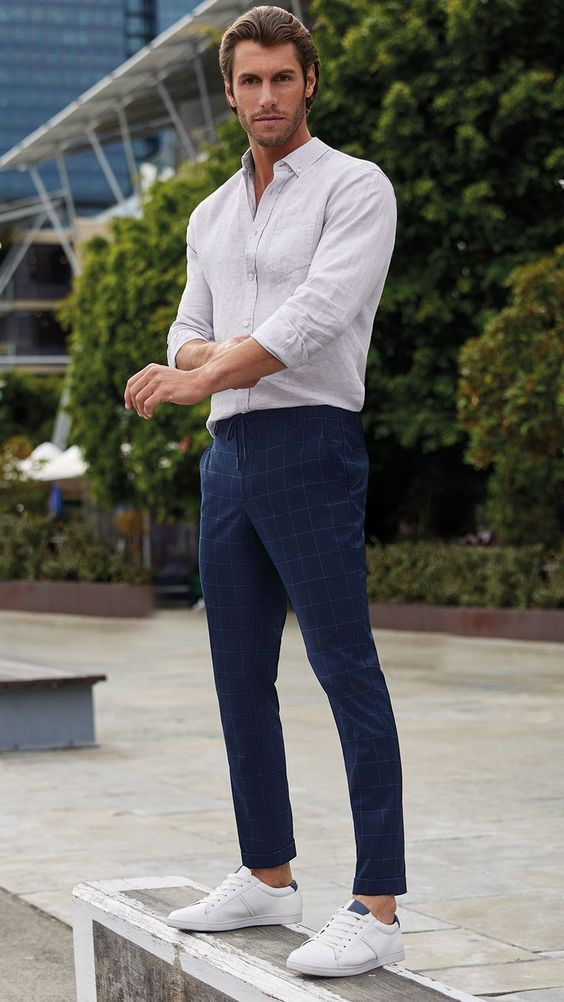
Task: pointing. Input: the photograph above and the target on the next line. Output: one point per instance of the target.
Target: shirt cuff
(281, 339)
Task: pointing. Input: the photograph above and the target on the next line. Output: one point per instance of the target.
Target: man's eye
(283, 76)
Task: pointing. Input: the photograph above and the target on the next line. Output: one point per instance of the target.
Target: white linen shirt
(303, 274)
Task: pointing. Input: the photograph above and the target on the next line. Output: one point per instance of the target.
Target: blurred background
(114, 125)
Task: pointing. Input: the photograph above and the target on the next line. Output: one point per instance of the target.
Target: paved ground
(36, 957)
(480, 725)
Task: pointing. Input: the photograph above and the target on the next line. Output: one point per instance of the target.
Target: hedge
(40, 548)
(440, 573)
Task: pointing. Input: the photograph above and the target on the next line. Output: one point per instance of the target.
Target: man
(286, 265)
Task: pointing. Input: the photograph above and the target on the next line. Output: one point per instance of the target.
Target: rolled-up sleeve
(347, 271)
(194, 318)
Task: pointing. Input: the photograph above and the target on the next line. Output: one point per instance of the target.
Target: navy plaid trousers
(283, 500)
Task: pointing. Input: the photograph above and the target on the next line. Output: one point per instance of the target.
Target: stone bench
(45, 707)
(125, 952)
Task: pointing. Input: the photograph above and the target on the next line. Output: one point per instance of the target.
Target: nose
(267, 98)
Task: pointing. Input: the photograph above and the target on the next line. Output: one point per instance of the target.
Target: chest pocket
(288, 247)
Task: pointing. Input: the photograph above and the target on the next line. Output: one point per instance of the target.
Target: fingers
(149, 404)
(140, 399)
(139, 388)
(134, 383)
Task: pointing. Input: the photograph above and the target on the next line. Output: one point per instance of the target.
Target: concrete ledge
(84, 598)
(470, 621)
(45, 707)
(124, 950)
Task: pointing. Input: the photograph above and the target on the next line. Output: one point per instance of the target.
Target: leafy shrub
(449, 574)
(39, 548)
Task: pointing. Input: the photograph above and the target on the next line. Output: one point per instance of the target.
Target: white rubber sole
(234, 923)
(333, 972)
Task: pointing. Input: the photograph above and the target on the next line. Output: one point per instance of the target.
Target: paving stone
(536, 995)
(452, 947)
(36, 955)
(517, 919)
(484, 809)
(495, 979)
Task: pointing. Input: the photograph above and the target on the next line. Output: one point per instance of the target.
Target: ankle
(274, 876)
(382, 906)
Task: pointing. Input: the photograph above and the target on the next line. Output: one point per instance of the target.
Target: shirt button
(251, 275)
(246, 324)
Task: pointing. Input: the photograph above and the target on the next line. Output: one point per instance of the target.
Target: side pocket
(357, 465)
(203, 456)
(335, 448)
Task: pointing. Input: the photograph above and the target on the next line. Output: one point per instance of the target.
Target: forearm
(238, 368)
(194, 354)
(235, 365)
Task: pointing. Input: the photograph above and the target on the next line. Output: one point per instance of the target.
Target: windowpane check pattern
(283, 497)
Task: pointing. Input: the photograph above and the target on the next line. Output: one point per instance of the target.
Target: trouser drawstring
(237, 427)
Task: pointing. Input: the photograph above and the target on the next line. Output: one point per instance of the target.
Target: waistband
(292, 415)
(243, 424)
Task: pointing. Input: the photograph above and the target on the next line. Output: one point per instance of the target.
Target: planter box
(84, 598)
(470, 621)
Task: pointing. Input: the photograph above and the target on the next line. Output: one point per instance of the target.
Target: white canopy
(37, 459)
(47, 462)
(67, 465)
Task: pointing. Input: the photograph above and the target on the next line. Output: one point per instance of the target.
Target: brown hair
(269, 25)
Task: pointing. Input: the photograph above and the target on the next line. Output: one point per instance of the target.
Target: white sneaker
(240, 900)
(352, 941)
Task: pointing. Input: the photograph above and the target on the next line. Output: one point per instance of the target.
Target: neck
(266, 156)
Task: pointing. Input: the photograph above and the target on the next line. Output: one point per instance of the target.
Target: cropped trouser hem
(267, 859)
(388, 886)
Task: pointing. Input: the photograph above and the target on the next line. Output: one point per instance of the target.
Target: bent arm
(240, 367)
(347, 271)
(194, 319)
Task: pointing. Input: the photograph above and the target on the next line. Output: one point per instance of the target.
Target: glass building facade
(50, 53)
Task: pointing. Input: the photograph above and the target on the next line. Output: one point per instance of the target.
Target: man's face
(269, 91)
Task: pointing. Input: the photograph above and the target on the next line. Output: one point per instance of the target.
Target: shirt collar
(298, 160)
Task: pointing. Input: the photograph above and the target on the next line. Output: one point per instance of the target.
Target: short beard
(267, 142)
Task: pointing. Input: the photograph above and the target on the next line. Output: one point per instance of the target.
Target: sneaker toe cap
(312, 953)
(189, 914)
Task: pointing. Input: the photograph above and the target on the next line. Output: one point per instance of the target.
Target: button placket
(260, 221)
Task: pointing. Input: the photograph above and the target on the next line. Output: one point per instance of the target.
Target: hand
(157, 384)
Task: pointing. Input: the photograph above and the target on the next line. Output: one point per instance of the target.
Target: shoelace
(231, 883)
(341, 923)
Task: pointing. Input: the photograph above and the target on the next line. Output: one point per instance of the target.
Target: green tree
(511, 402)
(119, 312)
(19, 494)
(28, 405)
(460, 102)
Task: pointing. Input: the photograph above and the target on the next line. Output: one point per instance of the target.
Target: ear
(310, 80)
(229, 95)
